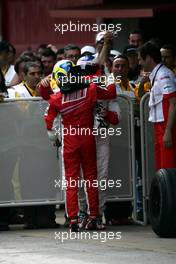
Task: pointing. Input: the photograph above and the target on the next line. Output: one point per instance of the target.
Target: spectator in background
(108, 64)
(99, 42)
(31, 74)
(168, 56)
(12, 54)
(41, 49)
(120, 70)
(143, 85)
(28, 53)
(87, 50)
(52, 47)
(6, 213)
(113, 54)
(60, 54)
(35, 216)
(135, 38)
(104, 44)
(120, 212)
(3, 88)
(48, 59)
(106, 55)
(19, 64)
(156, 41)
(6, 68)
(72, 52)
(134, 69)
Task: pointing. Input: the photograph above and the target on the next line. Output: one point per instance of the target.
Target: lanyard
(156, 74)
(155, 113)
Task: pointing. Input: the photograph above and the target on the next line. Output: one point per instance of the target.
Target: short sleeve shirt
(163, 88)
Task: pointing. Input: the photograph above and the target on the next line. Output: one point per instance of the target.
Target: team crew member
(7, 69)
(31, 77)
(106, 113)
(76, 109)
(120, 70)
(168, 56)
(162, 105)
(120, 212)
(48, 58)
(135, 38)
(35, 216)
(72, 52)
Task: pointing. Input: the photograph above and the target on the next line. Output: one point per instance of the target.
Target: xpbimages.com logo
(102, 236)
(82, 183)
(82, 27)
(102, 80)
(102, 132)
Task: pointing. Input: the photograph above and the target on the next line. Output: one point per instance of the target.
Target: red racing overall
(79, 150)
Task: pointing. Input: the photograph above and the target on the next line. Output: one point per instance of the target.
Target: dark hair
(130, 49)
(37, 59)
(24, 58)
(28, 65)
(42, 46)
(152, 50)
(171, 48)
(136, 31)
(12, 48)
(27, 53)
(156, 41)
(3, 88)
(60, 51)
(21, 59)
(49, 53)
(71, 47)
(122, 56)
(4, 46)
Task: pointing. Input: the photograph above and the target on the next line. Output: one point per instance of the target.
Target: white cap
(100, 36)
(86, 60)
(89, 49)
(115, 53)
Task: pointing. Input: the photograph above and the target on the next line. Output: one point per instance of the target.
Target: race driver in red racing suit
(79, 150)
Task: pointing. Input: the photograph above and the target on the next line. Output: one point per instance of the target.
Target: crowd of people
(140, 68)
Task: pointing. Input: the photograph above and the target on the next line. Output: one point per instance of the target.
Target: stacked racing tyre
(162, 203)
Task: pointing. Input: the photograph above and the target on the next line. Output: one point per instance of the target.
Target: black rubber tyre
(162, 203)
